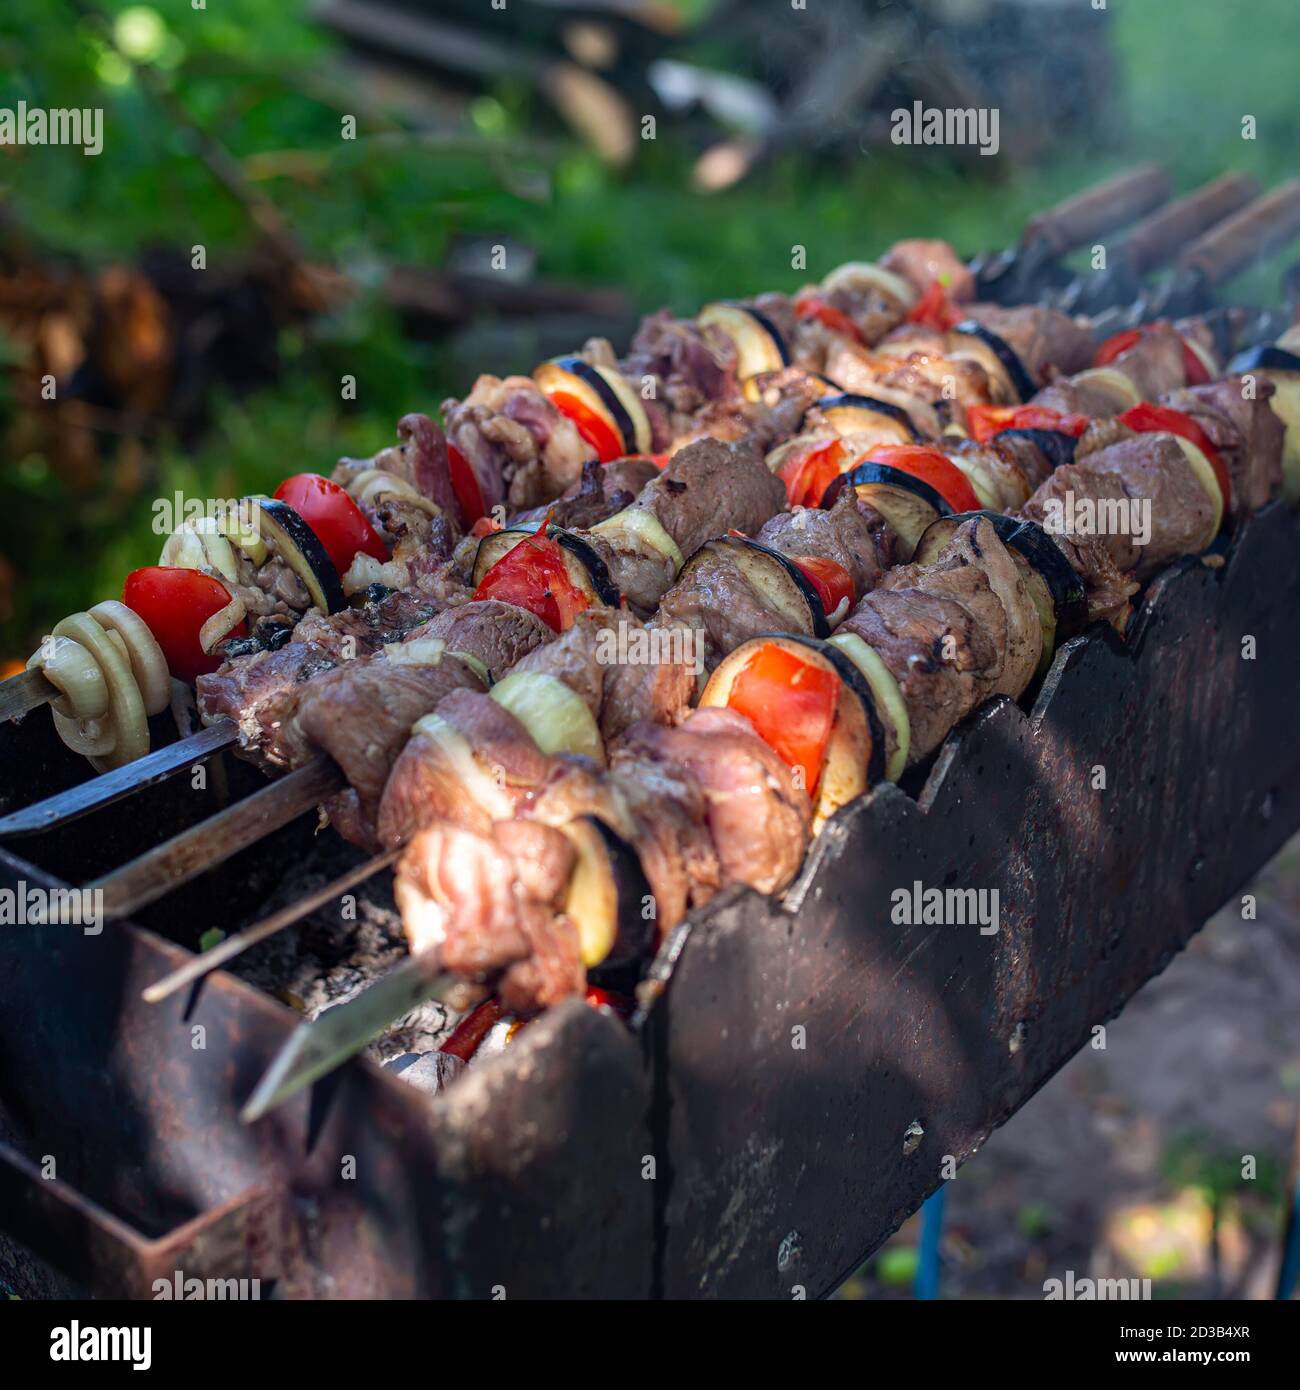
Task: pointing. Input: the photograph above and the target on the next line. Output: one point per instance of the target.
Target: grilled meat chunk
(470, 763)
(723, 606)
(850, 533)
(491, 901)
(602, 490)
(362, 715)
(1093, 496)
(495, 633)
(758, 819)
(1048, 342)
(952, 633)
(692, 365)
(923, 260)
(522, 450)
(420, 459)
(711, 487)
(708, 488)
(1246, 433)
(260, 693)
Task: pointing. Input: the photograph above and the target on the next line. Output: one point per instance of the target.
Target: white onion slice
(222, 623)
(93, 738)
(72, 670)
(853, 274)
(372, 484)
(148, 664)
(125, 707)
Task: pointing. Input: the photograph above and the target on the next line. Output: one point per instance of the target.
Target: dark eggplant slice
(759, 344)
(603, 391)
(498, 543)
(606, 899)
(590, 572)
(1266, 357)
(852, 414)
(1057, 448)
(602, 584)
(855, 752)
(1064, 586)
(289, 536)
(780, 581)
(1021, 381)
(908, 504)
(1057, 591)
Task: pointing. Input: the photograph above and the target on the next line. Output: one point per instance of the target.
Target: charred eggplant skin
(1056, 447)
(293, 540)
(886, 408)
(490, 550)
(820, 626)
(635, 931)
(1005, 354)
(601, 581)
(608, 397)
(770, 329)
(1267, 357)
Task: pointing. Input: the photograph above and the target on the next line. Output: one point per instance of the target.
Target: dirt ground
(1133, 1160)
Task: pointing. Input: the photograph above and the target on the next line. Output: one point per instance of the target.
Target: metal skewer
(318, 1047)
(242, 941)
(213, 841)
(23, 693)
(121, 782)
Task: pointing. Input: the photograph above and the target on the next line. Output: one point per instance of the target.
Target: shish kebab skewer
(1073, 222)
(287, 806)
(976, 537)
(86, 799)
(740, 601)
(121, 884)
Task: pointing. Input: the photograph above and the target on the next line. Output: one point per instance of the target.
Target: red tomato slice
(1115, 345)
(985, 421)
(833, 582)
(340, 525)
(932, 467)
(175, 603)
(464, 483)
(1194, 369)
(934, 309)
(811, 306)
(791, 704)
(533, 575)
(1146, 418)
(807, 476)
(598, 433)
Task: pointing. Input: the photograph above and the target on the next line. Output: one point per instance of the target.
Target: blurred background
(346, 168)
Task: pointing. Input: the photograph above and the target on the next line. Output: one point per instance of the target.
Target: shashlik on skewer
(993, 359)
(394, 518)
(973, 596)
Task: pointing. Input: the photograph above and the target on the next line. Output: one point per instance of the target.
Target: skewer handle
(1261, 227)
(1114, 203)
(1156, 238)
